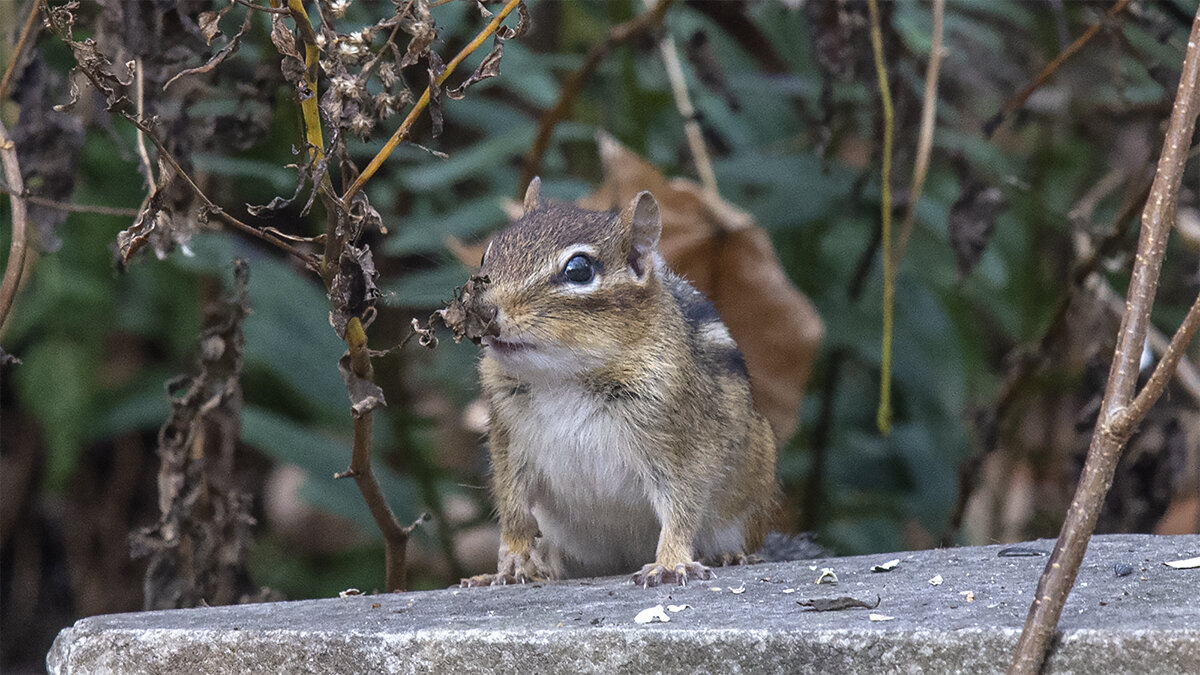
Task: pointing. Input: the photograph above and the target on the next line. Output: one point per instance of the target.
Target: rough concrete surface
(747, 620)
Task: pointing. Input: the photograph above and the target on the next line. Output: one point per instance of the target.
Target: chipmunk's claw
(655, 574)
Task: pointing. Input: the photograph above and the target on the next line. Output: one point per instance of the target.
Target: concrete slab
(1129, 613)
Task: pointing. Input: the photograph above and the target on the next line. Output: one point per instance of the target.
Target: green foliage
(77, 319)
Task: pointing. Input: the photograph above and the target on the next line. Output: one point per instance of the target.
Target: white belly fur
(590, 501)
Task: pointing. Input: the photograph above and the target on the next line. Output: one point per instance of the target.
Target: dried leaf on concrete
(836, 604)
(721, 250)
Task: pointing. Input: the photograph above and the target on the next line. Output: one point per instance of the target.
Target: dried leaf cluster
(198, 550)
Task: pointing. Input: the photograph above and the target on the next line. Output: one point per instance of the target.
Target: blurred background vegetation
(1001, 348)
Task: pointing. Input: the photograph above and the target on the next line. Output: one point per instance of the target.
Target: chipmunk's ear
(644, 221)
(533, 195)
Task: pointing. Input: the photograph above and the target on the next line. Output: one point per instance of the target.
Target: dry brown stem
(1120, 412)
(925, 137)
(20, 220)
(691, 126)
(395, 535)
(532, 164)
(31, 27)
(1016, 102)
(27, 31)
(78, 208)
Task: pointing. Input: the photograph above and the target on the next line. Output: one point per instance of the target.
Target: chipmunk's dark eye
(579, 269)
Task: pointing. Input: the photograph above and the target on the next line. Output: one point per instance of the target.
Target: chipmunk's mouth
(504, 347)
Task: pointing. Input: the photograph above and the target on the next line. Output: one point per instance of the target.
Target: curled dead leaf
(489, 67)
(170, 219)
(436, 68)
(353, 290)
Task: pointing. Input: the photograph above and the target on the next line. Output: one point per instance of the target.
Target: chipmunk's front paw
(513, 568)
(655, 574)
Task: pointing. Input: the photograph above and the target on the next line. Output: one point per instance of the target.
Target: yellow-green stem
(883, 418)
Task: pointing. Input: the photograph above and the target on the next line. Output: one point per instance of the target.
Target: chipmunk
(621, 430)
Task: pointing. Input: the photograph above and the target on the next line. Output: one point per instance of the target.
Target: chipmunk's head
(569, 285)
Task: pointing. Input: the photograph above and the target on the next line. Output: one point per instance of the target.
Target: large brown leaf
(721, 250)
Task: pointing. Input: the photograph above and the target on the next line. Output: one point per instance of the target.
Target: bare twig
(691, 126)
(77, 208)
(308, 105)
(31, 28)
(15, 266)
(883, 418)
(1016, 102)
(406, 126)
(1120, 412)
(925, 138)
(395, 536)
(147, 166)
(532, 163)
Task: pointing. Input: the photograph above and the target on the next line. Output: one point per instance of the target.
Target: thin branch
(31, 28)
(15, 266)
(406, 126)
(532, 163)
(147, 166)
(308, 106)
(1119, 412)
(1017, 102)
(691, 126)
(310, 114)
(925, 138)
(395, 536)
(883, 418)
(77, 208)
